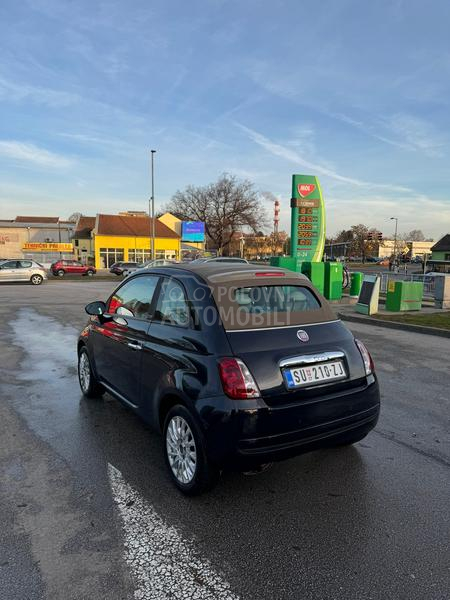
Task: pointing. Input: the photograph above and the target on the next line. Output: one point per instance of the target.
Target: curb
(395, 325)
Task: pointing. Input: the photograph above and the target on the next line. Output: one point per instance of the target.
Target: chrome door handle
(134, 346)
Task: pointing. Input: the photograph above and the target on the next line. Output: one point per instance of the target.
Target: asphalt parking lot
(88, 511)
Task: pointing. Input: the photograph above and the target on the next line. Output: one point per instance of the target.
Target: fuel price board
(307, 219)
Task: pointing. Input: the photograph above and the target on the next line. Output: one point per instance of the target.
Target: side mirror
(124, 312)
(95, 308)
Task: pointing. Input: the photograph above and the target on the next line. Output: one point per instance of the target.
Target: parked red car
(72, 267)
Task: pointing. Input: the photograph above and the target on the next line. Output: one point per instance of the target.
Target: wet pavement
(88, 512)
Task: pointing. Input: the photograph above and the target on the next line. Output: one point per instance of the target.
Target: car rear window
(266, 306)
(275, 298)
(228, 260)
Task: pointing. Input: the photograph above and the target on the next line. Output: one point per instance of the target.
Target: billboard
(192, 231)
(47, 247)
(307, 219)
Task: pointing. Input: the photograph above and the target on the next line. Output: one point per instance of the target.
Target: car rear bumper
(249, 436)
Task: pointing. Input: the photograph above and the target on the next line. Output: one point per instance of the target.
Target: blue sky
(354, 92)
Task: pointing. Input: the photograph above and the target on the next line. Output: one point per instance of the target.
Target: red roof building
(128, 238)
(135, 226)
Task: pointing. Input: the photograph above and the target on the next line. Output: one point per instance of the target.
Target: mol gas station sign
(307, 219)
(308, 239)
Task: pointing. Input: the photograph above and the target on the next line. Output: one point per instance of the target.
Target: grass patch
(439, 320)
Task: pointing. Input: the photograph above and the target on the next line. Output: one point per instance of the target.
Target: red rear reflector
(270, 274)
(237, 381)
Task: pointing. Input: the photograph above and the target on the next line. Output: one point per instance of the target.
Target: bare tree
(362, 245)
(402, 243)
(74, 217)
(416, 235)
(360, 235)
(346, 235)
(226, 206)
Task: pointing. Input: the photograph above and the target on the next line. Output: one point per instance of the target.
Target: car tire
(60, 273)
(90, 273)
(36, 279)
(89, 384)
(185, 453)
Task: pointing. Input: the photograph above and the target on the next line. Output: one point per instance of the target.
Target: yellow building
(174, 223)
(128, 238)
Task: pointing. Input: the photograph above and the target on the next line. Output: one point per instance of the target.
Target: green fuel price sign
(307, 219)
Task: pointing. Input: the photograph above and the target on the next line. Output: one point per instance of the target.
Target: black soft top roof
(214, 271)
(224, 279)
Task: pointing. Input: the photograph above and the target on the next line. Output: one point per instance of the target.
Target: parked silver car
(158, 262)
(22, 270)
(220, 259)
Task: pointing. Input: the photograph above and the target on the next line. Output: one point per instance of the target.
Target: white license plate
(311, 374)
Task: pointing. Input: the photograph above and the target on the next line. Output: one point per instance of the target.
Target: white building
(387, 248)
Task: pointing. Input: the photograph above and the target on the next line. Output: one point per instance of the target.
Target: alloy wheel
(181, 450)
(84, 370)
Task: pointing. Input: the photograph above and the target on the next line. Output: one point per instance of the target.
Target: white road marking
(163, 564)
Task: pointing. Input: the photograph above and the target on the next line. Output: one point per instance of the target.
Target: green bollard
(284, 262)
(356, 280)
(333, 281)
(315, 271)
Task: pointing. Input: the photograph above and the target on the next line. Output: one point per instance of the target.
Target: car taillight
(237, 381)
(367, 359)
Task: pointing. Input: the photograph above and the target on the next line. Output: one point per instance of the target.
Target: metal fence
(427, 280)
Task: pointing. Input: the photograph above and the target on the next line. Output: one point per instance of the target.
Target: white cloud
(295, 157)
(17, 92)
(402, 131)
(11, 91)
(416, 133)
(374, 210)
(245, 173)
(85, 138)
(369, 130)
(29, 153)
(303, 139)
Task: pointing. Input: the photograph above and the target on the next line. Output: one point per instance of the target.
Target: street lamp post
(59, 238)
(395, 237)
(152, 211)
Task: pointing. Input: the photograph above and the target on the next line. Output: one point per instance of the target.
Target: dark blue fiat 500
(236, 365)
